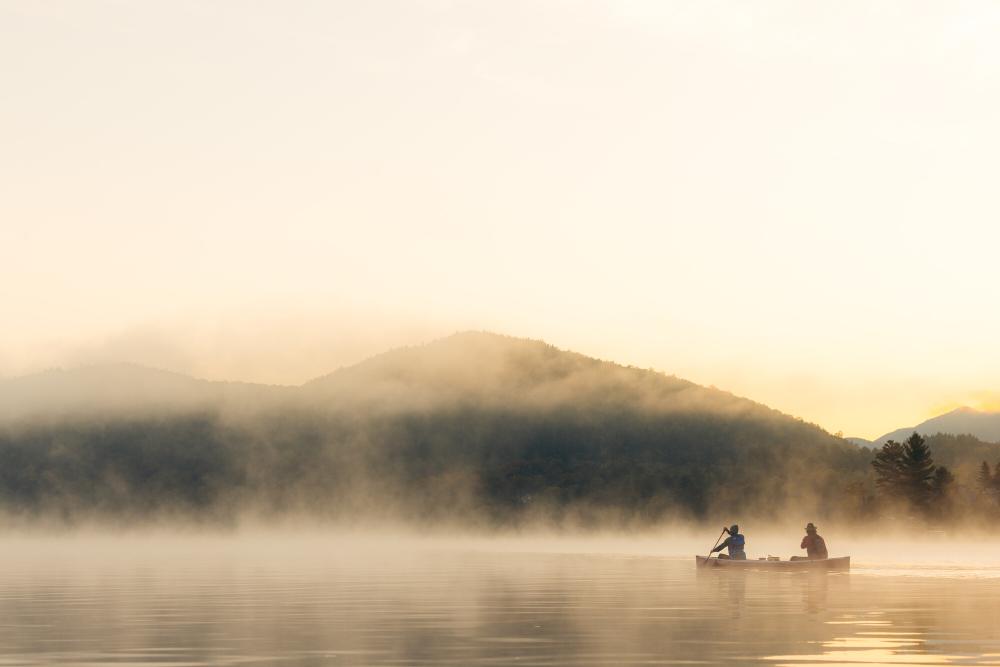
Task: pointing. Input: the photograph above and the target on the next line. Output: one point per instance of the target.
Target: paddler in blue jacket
(735, 543)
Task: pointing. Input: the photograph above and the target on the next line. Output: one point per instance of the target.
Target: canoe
(839, 564)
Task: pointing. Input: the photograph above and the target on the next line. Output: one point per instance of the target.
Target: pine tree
(985, 479)
(941, 496)
(888, 466)
(941, 483)
(918, 471)
(906, 471)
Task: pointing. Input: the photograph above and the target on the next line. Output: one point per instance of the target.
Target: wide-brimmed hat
(810, 526)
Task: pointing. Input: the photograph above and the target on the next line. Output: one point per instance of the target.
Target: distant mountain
(465, 369)
(860, 442)
(116, 390)
(105, 389)
(489, 370)
(984, 426)
(477, 426)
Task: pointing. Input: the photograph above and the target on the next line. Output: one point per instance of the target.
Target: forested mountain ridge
(484, 369)
(981, 424)
(470, 368)
(109, 391)
(475, 427)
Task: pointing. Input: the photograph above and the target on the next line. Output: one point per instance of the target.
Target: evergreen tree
(888, 466)
(941, 483)
(985, 480)
(941, 496)
(918, 471)
(906, 471)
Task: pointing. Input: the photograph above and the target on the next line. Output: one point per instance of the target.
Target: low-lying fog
(326, 597)
(479, 500)
(886, 551)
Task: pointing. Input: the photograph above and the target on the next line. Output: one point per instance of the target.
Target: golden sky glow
(793, 201)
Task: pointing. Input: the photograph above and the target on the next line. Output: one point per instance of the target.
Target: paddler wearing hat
(814, 545)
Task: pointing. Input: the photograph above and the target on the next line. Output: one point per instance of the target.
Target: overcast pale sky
(795, 201)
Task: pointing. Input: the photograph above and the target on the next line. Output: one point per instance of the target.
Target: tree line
(589, 465)
(988, 482)
(501, 466)
(908, 481)
(907, 477)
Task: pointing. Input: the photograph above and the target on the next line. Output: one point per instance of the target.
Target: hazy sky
(795, 201)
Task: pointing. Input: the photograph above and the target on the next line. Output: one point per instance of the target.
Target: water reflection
(447, 607)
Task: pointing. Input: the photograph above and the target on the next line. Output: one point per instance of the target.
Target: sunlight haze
(795, 202)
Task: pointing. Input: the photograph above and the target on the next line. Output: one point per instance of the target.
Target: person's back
(814, 545)
(736, 546)
(735, 543)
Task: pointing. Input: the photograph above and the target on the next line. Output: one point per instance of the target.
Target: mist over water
(423, 332)
(368, 599)
(477, 500)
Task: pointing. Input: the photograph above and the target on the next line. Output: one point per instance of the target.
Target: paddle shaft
(716, 543)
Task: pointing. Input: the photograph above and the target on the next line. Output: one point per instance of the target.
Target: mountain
(117, 390)
(982, 425)
(489, 370)
(475, 427)
(465, 369)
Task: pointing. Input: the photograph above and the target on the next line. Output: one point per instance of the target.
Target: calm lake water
(334, 604)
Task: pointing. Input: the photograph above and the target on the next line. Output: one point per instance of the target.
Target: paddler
(814, 545)
(735, 543)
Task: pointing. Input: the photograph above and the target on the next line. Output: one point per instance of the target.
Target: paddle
(709, 556)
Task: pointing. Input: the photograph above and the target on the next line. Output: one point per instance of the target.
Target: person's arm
(804, 541)
(722, 546)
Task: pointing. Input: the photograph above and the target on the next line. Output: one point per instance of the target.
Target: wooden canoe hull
(837, 564)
